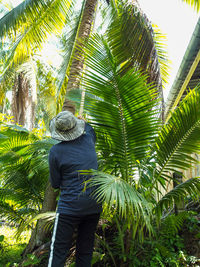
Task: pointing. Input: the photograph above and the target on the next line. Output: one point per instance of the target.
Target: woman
(76, 207)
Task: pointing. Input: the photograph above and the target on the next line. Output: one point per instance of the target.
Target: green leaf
(193, 3)
(122, 196)
(32, 22)
(122, 108)
(179, 137)
(190, 187)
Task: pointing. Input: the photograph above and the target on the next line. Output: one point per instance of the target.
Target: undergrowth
(10, 248)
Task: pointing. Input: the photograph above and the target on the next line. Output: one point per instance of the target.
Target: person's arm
(90, 128)
(92, 131)
(55, 177)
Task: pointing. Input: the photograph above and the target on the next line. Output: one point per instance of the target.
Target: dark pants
(62, 239)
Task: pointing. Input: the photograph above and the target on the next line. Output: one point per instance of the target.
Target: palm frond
(12, 19)
(24, 167)
(48, 217)
(193, 3)
(180, 136)
(119, 194)
(190, 187)
(163, 60)
(29, 11)
(133, 34)
(14, 214)
(123, 104)
(35, 20)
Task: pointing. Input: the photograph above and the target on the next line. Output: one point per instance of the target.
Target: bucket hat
(66, 127)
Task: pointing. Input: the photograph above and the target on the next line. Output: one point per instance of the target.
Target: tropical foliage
(121, 91)
(138, 153)
(24, 173)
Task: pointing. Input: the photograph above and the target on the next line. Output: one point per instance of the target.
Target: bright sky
(177, 20)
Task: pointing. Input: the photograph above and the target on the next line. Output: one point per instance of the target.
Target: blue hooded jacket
(66, 159)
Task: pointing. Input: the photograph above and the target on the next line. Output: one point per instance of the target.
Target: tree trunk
(19, 97)
(83, 35)
(40, 233)
(23, 102)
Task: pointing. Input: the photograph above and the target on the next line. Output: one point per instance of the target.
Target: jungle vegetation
(114, 69)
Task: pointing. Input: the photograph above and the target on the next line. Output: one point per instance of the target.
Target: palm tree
(15, 79)
(138, 154)
(32, 29)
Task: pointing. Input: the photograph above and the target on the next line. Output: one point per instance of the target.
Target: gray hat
(66, 127)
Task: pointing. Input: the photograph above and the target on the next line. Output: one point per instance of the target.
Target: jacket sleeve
(55, 177)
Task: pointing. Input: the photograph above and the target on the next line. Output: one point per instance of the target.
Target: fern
(171, 225)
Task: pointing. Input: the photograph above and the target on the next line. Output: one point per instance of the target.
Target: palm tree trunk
(83, 35)
(23, 102)
(19, 97)
(40, 233)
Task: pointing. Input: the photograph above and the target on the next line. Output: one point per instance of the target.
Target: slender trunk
(83, 35)
(40, 234)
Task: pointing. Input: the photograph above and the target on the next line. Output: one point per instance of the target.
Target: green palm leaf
(48, 217)
(161, 49)
(190, 187)
(121, 195)
(179, 137)
(134, 35)
(29, 11)
(193, 3)
(122, 104)
(35, 20)
(11, 20)
(24, 169)
(14, 214)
